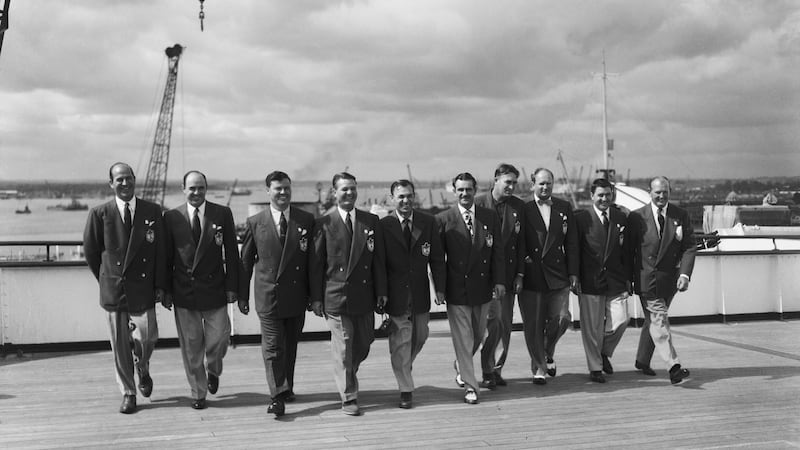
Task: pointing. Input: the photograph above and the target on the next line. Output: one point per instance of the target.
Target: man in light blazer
(551, 259)
(604, 279)
(664, 252)
(277, 249)
(510, 210)
(124, 247)
(348, 284)
(412, 243)
(475, 275)
(203, 268)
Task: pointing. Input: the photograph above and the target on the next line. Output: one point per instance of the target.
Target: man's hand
(317, 308)
(166, 300)
(574, 284)
(683, 284)
(517, 284)
(231, 296)
(159, 295)
(381, 304)
(499, 291)
(244, 306)
(440, 298)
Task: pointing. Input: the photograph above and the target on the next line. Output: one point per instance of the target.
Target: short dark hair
(401, 183)
(342, 176)
(601, 183)
(186, 175)
(465, 176)
(660, 177)
(118, 163)
(505, 169)
(276, 175)
(539, 169)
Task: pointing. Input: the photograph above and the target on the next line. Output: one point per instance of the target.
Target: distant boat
(240, 191)
(74, 205)
(25, 210)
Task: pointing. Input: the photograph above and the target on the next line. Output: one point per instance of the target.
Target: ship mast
(608, 144)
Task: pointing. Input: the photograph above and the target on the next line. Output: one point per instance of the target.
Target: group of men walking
(347, 265)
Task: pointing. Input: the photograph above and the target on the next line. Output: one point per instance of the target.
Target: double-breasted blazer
(128, 268)
(658, 262)
(348, 280)
(511, 235)
(474, 266)
(605, 258)
(551, 255)
(201, 273)
(281, 287)
(407, 267)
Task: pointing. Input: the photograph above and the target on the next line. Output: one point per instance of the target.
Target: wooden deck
(744, 393)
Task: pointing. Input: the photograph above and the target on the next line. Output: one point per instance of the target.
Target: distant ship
(74, 205)
(24, 210)
(240, 191)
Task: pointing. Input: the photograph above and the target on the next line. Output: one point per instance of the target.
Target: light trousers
(655, 333)
(204, 337)
(351, 337)
(409, 333)
(545, 318)
(604, 319)
(467, 328)
(498, 336)
(133, 338)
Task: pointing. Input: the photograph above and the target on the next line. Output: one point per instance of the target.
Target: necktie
(660, 222)
(282, 229)
(605, 221)
(547, 201)
(407, 232)
(349, 224)
(501, 211)
(127, 219)
(468, 220)
(196, 226)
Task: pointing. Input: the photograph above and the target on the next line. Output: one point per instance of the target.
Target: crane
(156, 181)
(4, 21)
(567, 181)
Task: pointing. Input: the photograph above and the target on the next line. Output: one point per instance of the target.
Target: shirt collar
(276, 214)
(549, 200)
(121, 205)
(600, 213)
(655, 209)
(401, 218)
(462, 210)
(191, 209)
(343, 214)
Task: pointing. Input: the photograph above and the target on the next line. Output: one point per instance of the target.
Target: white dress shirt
(544, 210)
(121, 208)
(201, 213)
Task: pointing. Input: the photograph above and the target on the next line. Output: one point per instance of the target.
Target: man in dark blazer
(475, 274)
(203, 268)
(412, 243)
(124, 246)
(550, 265)
(348, 283)
(277, 249)
(510, 210)
(604, 279)
(664, 252)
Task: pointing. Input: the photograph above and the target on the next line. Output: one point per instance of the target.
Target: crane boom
(156, 181)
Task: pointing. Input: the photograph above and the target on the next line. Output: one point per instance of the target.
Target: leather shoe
(213, 383)
(551, 367)
(288, 396)
(276, 407)
(498, 380)
(539, 378)
(677, 375)
(607, 367)
(597, 376)
(471, 397)
(199, 403)
(645, 369)
(128, 405)
(350, 408)
(488, 382)
(405, 400)
(145, 384)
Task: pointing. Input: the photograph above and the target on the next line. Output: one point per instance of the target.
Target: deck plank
(745, 392)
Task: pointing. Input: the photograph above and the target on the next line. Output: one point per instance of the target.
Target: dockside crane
(4, 21)
(156, 181)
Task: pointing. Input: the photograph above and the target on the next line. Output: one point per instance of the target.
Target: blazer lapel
(396, 229)
(416, 232)
(553, 229)
(292, 239)
(359, 240)
(205, 237)
(667, 234)
(613, 233)
(137, 234)
(481, 234)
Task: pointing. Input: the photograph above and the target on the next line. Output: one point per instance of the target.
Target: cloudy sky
(698, 88)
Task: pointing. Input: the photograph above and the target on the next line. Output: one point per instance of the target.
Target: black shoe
(488, 382)
(405, 400)
(213, 383)
(498, 380)
(145, 385)
(607, 367)
(199, 403)
(677, 375)
(551, 367)
(288, 396)
(276, 407)
(128, 405)
(597, 376)
(645, 369)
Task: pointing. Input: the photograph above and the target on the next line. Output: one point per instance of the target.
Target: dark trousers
(279, 339)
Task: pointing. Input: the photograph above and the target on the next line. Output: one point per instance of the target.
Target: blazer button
(189, 271)
(144, 259)
(144, 276)
(297, 268)
(341, 269)
(484, 261)
(482, 274)
(277, 284)
(119, 263)
(365, 281)
(536, 249)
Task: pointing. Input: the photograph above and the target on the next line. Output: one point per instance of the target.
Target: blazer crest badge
(149, 234)
(303, 239)
(370, 240)
(426, 249)
(218, 238)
